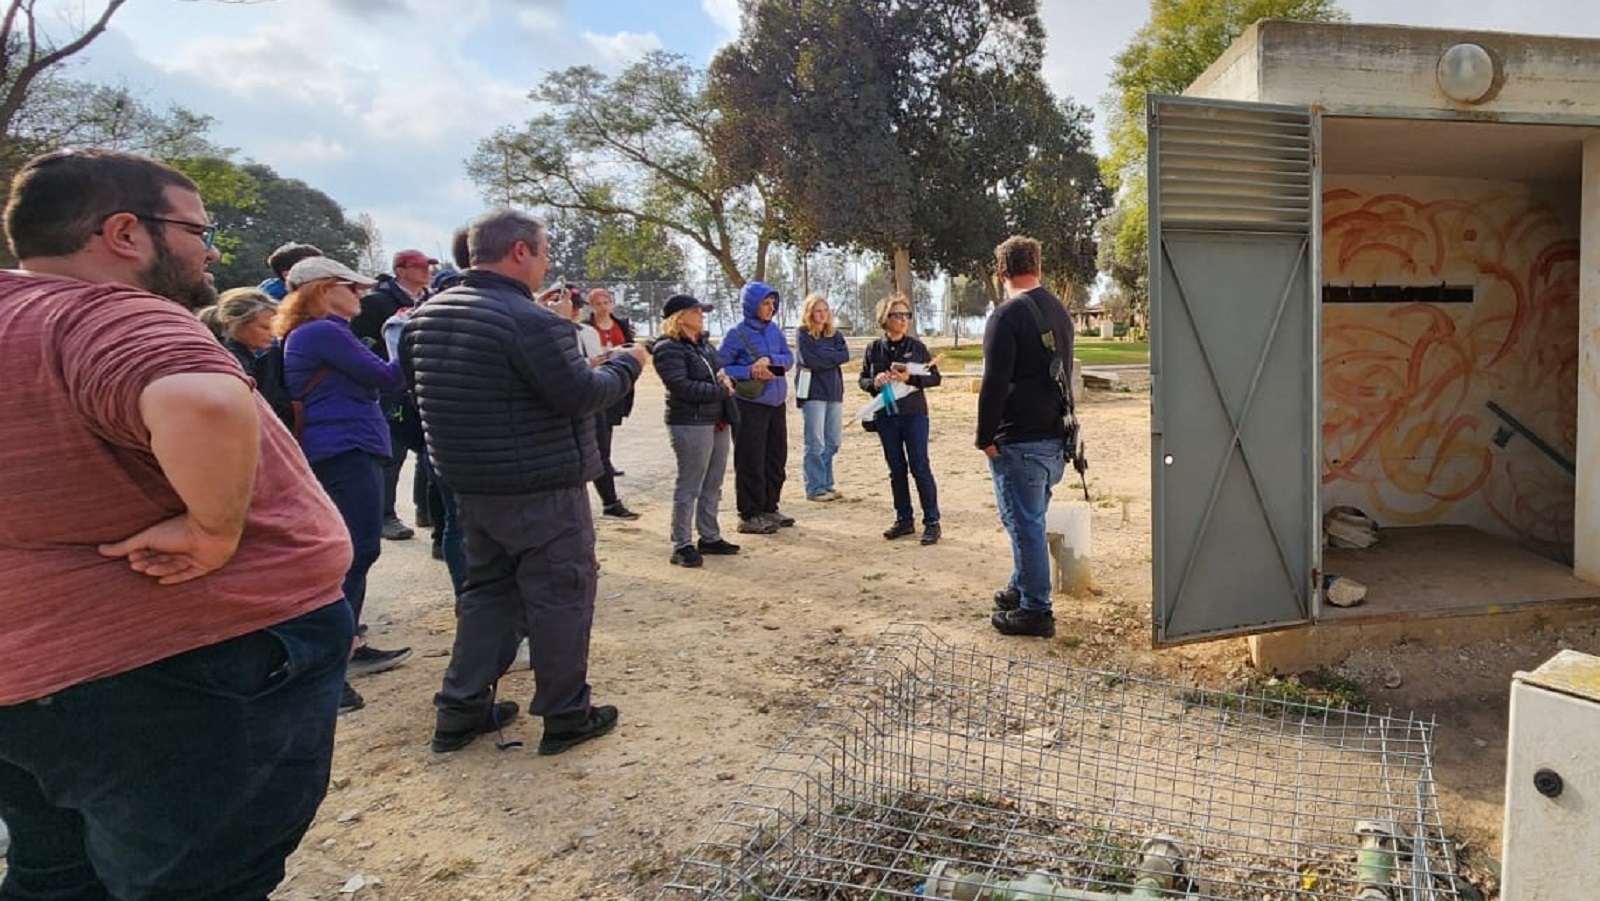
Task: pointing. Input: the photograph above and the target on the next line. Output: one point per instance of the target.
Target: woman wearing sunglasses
(902, 426)
(336, 381)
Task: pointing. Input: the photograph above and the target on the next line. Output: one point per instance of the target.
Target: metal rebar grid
(1026, 776)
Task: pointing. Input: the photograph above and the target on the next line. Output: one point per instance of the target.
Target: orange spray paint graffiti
(1406, 432)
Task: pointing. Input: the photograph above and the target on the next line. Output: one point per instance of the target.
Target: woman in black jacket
(242, 321)
(903, 430)
(699, 408)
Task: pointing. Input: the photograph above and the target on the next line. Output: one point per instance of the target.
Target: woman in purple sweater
(343, 432)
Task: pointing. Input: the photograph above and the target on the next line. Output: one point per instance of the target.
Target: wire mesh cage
(936, 772)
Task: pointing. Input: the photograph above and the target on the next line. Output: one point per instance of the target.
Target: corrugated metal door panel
(1234, 351)
(1232, 166)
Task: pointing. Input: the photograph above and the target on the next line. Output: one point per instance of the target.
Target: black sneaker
(494, 719)
(350, 700)
(779, 520)
(368, 660)
(438, 550)
(395, 530)
(1038, 623)
(618, 510)
(719, 548)
(617, 473)
(900, 530)
(930, 533)
(562, 733)
(686, 556)
(424, 518)
(1008, 598)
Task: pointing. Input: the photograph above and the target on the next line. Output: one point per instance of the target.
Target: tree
(285, 209)
(572, 235)
(1180, 40)
(637, 146)
(27, 53)
(884, 126)
(373, 258)
(641, 261)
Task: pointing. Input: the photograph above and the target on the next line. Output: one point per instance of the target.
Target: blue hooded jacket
(765, 339)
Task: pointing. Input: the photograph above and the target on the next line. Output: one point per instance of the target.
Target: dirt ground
(712, 667)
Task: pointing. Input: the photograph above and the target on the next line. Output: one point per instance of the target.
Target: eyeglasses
(206, 233)
(899, 315)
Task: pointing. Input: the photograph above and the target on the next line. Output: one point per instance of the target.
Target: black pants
(606, 485)
(760, 454)
(531, 570)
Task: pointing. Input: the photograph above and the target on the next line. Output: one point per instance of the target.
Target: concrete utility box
(1375, 282)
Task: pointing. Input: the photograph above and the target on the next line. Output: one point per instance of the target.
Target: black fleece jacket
(1017, 401)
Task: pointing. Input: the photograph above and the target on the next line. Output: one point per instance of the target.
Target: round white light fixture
(1466, 73)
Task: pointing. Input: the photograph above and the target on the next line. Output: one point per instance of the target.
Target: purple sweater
(342, 412)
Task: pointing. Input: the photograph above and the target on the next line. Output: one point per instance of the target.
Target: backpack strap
(1047, 336)
(747, 345)
(297, 406)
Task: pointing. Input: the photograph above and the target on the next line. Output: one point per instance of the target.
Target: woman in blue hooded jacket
(756, 356)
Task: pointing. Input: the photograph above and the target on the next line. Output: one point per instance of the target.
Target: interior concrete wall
(1406, 433)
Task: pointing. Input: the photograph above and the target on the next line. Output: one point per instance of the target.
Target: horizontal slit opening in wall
(1397, 293)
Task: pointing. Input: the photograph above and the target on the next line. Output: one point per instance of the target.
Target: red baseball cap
(413, 258)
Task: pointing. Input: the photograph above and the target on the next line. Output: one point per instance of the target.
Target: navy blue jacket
(824, 357)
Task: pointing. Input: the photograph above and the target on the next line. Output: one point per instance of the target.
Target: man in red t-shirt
(171, 624)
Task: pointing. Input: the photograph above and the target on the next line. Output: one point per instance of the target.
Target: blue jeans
(824, 430)
(905, 447)
(188, 779)
(354, 480)
(1023, 476)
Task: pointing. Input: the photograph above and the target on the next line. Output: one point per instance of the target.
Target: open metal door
(1234, 327)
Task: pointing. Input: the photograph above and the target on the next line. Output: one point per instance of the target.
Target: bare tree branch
(18, 80)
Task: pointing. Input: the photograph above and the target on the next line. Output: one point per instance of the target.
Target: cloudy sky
(378, 102)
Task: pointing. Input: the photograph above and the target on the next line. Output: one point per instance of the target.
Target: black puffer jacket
(507, 401)
(689, 371)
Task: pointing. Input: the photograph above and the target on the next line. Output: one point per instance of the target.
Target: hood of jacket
(751, 297)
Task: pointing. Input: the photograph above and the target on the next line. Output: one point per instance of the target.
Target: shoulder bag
(749, 389)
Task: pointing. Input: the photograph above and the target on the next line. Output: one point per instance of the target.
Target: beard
(166, 276)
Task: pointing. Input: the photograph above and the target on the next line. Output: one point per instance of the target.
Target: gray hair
(492, 235)
(234, 308)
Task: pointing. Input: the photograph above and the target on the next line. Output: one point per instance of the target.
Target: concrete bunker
(1440, 325)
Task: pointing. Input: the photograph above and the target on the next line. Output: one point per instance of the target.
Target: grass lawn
(1091, 351)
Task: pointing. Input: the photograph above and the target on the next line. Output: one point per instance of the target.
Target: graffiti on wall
(1407, 434)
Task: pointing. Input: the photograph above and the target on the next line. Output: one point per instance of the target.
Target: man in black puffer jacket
(507, 406)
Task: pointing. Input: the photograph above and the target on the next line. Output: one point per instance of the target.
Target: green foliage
(636, 147)
(633, 250)
(969, 297)
(1181, 40)
(282, 210)
(921, 125)
(572, 236)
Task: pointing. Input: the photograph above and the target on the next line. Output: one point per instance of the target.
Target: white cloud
(622, 47)
(725, 13)
(539, 20)
(315, 149)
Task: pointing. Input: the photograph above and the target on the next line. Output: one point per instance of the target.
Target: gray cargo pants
(531, 570)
